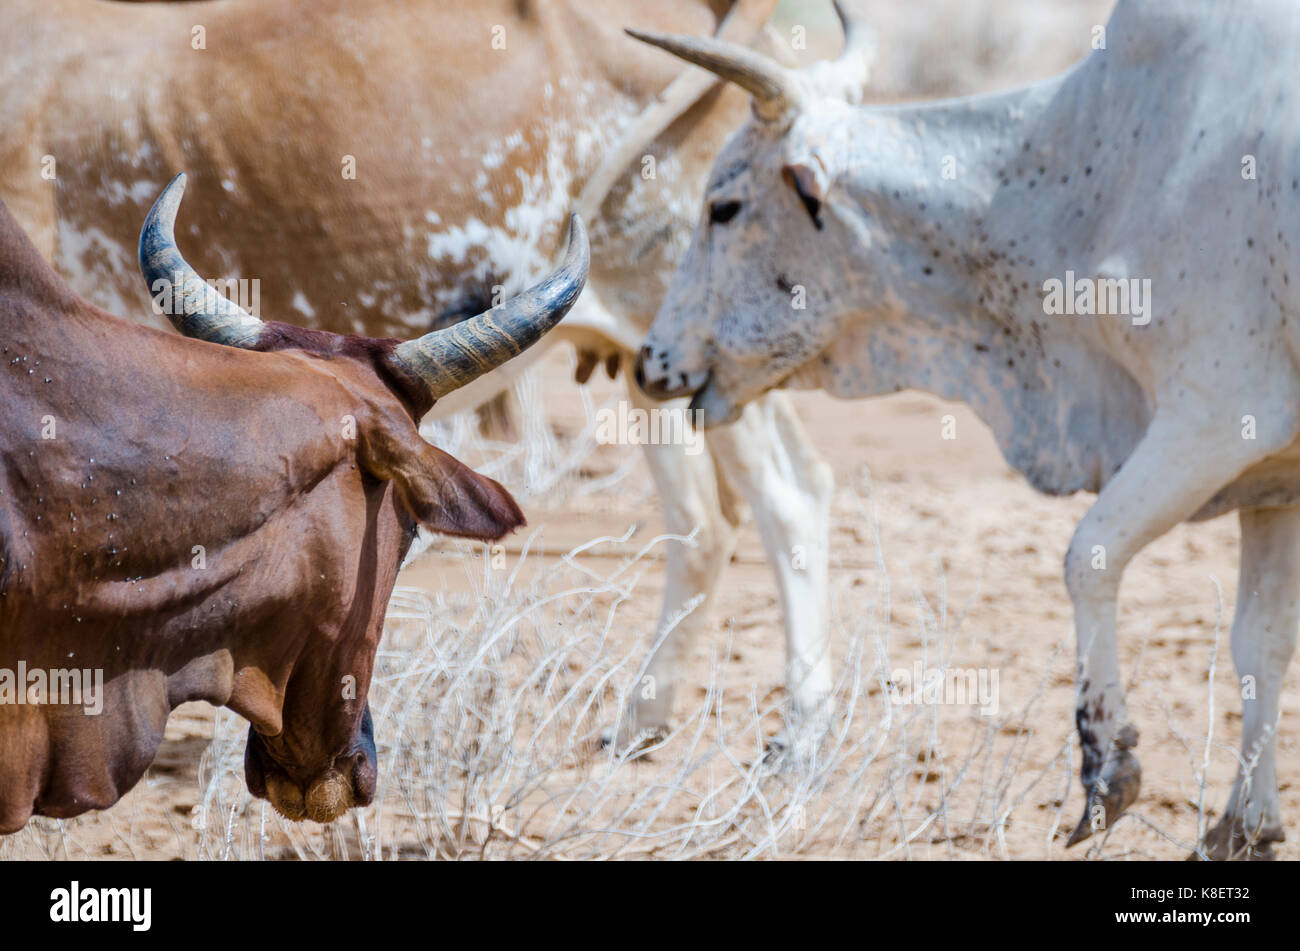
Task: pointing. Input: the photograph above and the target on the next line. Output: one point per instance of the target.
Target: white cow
(1099, 264)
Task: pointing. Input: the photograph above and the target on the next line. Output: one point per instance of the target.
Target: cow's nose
(349, 782)
(365, 776)
(328, 796)
(655, 378)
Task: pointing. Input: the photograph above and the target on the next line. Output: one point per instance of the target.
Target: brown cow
(201, 522)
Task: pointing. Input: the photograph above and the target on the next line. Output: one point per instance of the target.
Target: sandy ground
(938, 550)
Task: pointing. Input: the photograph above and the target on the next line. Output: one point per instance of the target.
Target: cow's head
(755, 297)
(311, 750)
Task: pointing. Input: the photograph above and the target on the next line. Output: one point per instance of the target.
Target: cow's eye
(720, 212)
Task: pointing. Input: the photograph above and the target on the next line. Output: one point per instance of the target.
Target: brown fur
(262, 117)
(163, 444)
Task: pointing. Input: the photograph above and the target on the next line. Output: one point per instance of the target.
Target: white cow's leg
(767, 457)
(1263, 640)
(1177, 467)
(689, 495)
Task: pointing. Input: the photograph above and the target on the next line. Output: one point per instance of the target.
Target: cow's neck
(126, 566)
(972, 205)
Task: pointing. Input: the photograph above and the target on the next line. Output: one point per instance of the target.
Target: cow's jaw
(713, 406)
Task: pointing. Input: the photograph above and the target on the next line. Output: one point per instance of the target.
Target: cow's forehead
(740, 155)
(729, 172)
(757, 143)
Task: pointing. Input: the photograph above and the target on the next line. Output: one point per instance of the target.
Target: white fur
(1129, 165)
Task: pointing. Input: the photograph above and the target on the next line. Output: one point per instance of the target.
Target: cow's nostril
(365, 776)
(639, 373)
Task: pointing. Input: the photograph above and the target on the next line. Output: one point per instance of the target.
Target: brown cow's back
(164, 506)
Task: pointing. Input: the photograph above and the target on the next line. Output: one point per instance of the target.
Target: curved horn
(859, 37)
(448, 359)
(773, 87)
(194, 307)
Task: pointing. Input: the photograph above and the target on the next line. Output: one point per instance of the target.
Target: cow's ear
(811, 182)
(441, 493)
(449, 497)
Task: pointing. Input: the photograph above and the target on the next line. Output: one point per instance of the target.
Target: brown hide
(467, 157)
(199, 522)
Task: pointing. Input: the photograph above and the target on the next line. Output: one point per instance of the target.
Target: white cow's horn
(448, 359)
(775, 91)
(194, 307)
(859, 37)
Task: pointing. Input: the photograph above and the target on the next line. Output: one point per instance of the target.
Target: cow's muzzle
(658, 381)
(348, 781)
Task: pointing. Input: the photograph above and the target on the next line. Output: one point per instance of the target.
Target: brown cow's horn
(194, 307)
(773, 87)
(448, 359)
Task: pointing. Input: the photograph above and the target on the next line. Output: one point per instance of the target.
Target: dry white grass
(488, 704)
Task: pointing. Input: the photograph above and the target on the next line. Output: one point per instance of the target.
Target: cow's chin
(714, 407)
(810, 375)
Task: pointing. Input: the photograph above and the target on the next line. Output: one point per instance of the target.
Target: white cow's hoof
(1229, 842)
(1113, 792)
